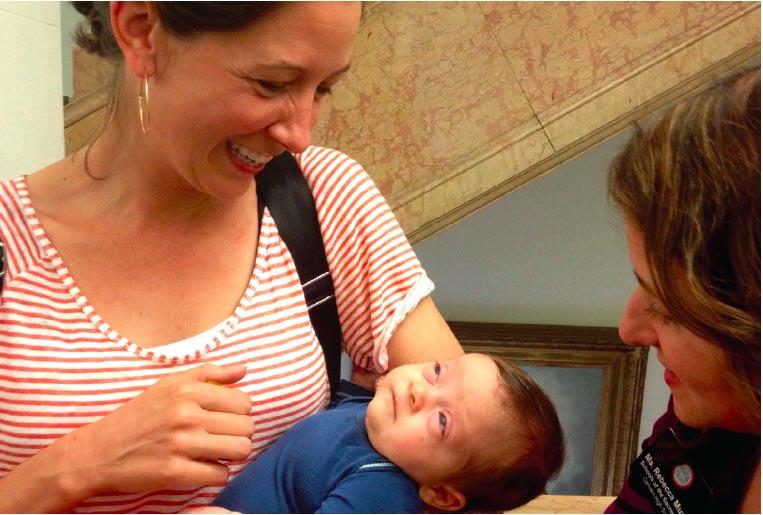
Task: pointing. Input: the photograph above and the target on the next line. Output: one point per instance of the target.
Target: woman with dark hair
(689, 191)
(154, 336)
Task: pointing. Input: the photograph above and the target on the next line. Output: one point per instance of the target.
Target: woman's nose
(635, 326)
(292, 130)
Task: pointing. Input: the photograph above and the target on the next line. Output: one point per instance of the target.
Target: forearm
(45, 483)
(423, 336)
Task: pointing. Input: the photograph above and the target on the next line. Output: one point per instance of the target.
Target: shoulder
(368, 491)
(10, 199)
(327, 169)
(14, 204)
(321, 159)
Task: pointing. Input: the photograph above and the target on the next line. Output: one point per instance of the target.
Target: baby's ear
(443, 497)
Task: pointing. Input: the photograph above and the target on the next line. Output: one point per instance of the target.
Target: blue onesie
(324, 464)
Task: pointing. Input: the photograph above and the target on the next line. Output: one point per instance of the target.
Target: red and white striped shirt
(62, 366)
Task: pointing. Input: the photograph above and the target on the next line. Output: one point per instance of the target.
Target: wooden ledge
(566, 504)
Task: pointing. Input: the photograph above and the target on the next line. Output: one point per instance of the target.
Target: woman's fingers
(216, 447)
(218, 398)
(228, 424)
(207, 509)
(204, 386)
(191, 473)
(214, 374)
(217, 374)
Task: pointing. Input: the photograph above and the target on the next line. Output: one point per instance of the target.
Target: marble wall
(451, 105)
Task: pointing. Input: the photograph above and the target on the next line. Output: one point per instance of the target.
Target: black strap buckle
(3, 266)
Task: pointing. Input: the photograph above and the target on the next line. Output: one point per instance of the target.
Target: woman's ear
(134, 25)
(443, 497)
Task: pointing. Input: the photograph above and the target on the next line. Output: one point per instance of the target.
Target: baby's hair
(535, 442)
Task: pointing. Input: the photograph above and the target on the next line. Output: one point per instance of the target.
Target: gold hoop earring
(143, 105)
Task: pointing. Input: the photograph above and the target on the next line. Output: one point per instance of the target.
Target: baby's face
(430, 418)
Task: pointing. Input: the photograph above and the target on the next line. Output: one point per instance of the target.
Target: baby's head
(472, 432)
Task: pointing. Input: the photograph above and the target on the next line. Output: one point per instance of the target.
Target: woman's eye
(653, 312)
(270, 88)
(322, 91)
(443, 422)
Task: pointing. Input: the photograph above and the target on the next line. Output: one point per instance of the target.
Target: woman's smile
(246, 160)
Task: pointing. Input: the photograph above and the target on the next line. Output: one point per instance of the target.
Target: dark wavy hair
(690, 185)
(181, 19)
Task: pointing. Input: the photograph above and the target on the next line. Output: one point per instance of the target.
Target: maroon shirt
(685, 470)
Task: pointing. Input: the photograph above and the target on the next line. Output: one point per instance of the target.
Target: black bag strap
(282, 187)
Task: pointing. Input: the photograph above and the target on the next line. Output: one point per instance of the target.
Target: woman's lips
(243, 166)
(670, 378)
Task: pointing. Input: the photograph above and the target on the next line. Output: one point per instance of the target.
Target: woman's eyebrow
(285, 65)
(644, 284)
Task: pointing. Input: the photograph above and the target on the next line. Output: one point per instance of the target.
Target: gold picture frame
(623, 370)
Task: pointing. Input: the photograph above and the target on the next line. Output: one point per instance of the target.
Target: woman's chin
(702, 415)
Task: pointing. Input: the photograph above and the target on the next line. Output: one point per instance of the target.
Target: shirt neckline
(171, 354)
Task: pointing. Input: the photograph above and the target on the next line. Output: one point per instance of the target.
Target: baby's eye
(443, 422)
(437, 369)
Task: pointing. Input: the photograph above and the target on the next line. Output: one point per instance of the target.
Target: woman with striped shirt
(153, 340)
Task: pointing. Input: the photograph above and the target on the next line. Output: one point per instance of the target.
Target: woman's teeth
(248, 155)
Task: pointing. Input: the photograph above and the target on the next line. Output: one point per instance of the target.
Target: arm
(42, 484)
(423, 336)
(171, 435)
(377, 277)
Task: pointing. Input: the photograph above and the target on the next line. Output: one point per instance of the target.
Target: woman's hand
(208, 509)
(365, 378)
(172, 435)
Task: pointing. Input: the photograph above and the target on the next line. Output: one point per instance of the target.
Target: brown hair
(535, 438)
(690, 185)
(181, 19)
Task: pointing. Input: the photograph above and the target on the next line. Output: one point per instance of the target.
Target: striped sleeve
(377, 277)
(22, 253)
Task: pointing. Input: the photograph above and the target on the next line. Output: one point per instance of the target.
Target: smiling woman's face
(222, 104)
(698, 373)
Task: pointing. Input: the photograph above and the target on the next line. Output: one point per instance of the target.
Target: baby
(473, 432)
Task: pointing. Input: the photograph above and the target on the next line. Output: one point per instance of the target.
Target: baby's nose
(420, 395)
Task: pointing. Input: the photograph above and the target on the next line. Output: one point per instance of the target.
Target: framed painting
(596, 383)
